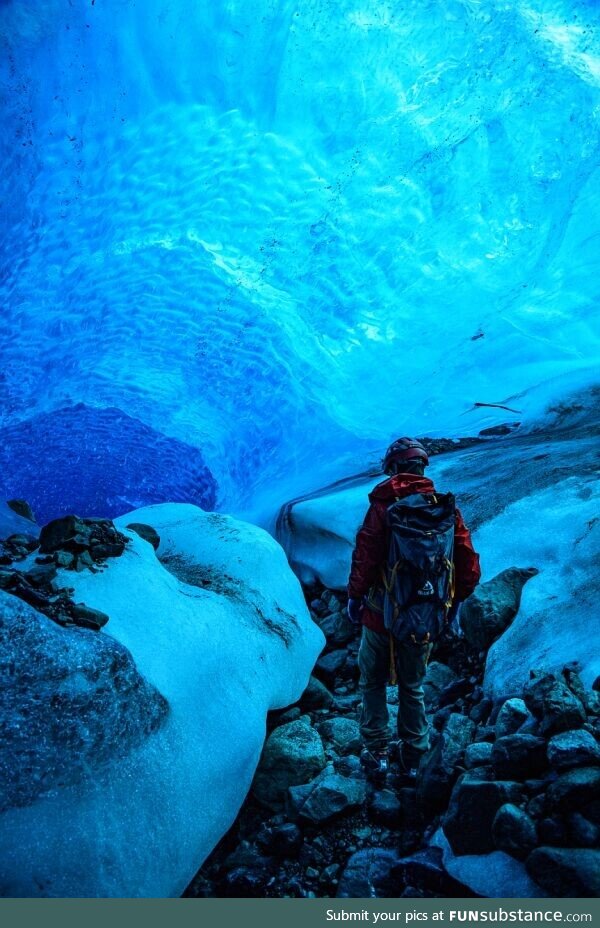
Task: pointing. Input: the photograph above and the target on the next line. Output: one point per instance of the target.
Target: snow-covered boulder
(217, 626)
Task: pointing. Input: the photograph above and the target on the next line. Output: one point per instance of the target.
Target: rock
(481, 712)
(41, 575)
(68, 532)
(331, 601)
(437, 678)
(517, 757)
(372, 873)
(330, 665)
(583, 833)
(316, 696)
(88, 618)
(246, 882)
(283, 841)
(488, 612)
(477, 754)
(22, 508)
(349, 766)
(566, 873)
(69, 701)
(64, 559)
(574, 789)
(332, 796)
(513, 713)
(437, 770)
(385, 809)
(552, 703)
(513, 831)
(293, 754)
(424, 870)
(576, 748)
(473, 806)
(553, 830)
(26, 541)
(343, 733)
(146, 532)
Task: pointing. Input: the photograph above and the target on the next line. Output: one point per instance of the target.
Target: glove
(355, 608)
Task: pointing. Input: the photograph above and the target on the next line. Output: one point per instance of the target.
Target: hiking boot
(376, 765)
(408, 763)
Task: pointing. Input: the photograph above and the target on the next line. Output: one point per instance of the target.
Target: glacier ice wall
(277, 232)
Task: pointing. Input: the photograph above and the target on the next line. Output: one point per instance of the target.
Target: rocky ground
(520, 775)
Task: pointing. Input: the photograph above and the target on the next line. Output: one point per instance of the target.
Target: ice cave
(245, 246)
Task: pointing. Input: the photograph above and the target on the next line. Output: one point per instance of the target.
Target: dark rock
(478, 754)
(316, 696)
(329, 666)
(64, 559)
(61, 533)
(372, 873)
(485, 733)
(146, 532)
(41, 575)
(441, 718)
(582, 832)
(471, 812)
(577, 748)
(517, 757)
(8, 578)
(292, 755)
(488, 612)
(553, 830)
(574, 789)
(454, 692)
(437, 678)
(536, 806)
(437, 770)
(553, 704)
(246, 882)
(566, 873)
(481, 712)
(283, 841)
(83, 561)
(385, 809)
(513, 713)
(425, 871)
(86, 617)
(22, 508)
(349, 766)
(332, 796)
(514, 831)
(70, 701)
(28, 542)
(343, 734)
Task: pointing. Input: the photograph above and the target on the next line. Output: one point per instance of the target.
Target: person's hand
(355, 608)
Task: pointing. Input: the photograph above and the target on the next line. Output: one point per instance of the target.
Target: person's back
(404, 462)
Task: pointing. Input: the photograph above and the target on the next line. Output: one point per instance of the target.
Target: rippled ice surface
(277, 233)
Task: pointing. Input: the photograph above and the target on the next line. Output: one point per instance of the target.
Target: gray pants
(411, 665)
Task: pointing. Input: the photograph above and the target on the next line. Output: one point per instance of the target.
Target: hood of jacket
(400, 485)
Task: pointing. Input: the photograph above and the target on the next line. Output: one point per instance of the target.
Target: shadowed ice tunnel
(242, 241)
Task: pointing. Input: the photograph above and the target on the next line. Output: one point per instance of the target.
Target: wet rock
(552, 703)
(574, 789)
(478, 754)
(293, 754)
(488, 612)
(566, 873)
(246, 882)
(437, 770)
(343, 733)
(337, 628)
(513, 713)
(385, 809)
(481, 712)
(70, 701)
(41, 575)
(146, 532)
(316, 696)
(553, 830)
(517, 757)
(473, 806)
(425, 872)
(437, 678)
(64, 559)
(513, 831)
(372, 873)
(332, 796)
(576, 748)
(329, 666)
(349, 766)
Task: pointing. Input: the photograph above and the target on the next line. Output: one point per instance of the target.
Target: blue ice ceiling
(272, 233)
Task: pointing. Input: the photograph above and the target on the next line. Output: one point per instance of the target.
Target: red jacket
(372, 543)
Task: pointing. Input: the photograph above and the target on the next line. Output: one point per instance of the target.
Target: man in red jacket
(404, 462)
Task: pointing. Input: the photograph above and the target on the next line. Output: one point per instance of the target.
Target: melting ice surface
(274, 233)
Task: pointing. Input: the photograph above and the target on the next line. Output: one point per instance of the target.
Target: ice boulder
(216, 632)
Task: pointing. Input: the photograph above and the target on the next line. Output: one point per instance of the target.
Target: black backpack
(419, 574)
